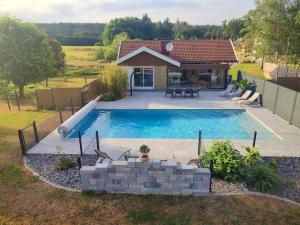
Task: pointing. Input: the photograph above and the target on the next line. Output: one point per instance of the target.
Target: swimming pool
(171, 124)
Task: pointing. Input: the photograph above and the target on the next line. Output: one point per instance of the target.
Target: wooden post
(60, 115)
(97, 140)
(254, 139)
(80, 143)
(85, 81)
(199, 142)
(72, 109)
(37, 100)
(22, 141)
(17, 100)
(36, 135)
(7, 100)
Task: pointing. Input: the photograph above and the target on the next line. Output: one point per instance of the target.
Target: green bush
(64, 163)
(252, 156)
(108, 98)
(243, 84)
(228, 163)
(114, 80)
(263, 178)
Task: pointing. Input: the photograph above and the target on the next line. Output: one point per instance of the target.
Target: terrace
(286, 142)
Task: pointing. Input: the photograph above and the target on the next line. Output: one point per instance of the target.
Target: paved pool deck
(182, 150)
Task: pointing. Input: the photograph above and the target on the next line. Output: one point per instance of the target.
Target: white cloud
(192, 11)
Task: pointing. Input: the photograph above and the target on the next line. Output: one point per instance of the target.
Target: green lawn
(250, 68)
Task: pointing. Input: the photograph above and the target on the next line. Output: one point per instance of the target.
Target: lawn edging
(208, 195)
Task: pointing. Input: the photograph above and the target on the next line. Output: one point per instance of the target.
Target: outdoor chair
(104, 155)
(238, 92)
(178, 92)
(245, 96)
(227, 91)
(169, 92)
(189, 92)
(196, 162)
(196, 91)
(249, 101)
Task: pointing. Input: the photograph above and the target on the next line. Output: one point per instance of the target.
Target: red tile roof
(186, 51)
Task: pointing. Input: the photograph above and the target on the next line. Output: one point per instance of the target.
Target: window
(143, 77)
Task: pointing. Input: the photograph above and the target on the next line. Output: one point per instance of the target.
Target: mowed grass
(26, 200)
(250, 68)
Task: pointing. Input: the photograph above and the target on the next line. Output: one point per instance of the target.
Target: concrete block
(189, 179)
(181, 185)
(102, 167)
(172, 178)
(201, 170)
(162, 179)
(180, 178)
(169, 164)
(111, 170)
(131, 162)
(200, 185)
(170, 170)
(150, 190)
(156, 173)
(124, 170)
(186, 192)
(166, 185)
(119, 163)
(156, 163)
(93, 181)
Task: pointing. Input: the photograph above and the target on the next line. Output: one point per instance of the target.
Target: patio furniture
(169, 92)
(228, 90)
(249, 101)
(189, 92)
(104, 155)
(238, 92)
(178, 91)
(245, 96)
(196, 162)
(196, 91)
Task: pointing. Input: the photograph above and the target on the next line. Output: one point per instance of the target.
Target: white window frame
(144, 88)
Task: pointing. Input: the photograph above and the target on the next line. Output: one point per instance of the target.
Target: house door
(144, 78)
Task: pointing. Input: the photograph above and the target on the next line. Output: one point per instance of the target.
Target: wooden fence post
(80, 142)
(22, 141)
(60, 115)
(36, 135)
(199, 142)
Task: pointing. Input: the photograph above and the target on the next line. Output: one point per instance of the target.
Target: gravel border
(43, 166)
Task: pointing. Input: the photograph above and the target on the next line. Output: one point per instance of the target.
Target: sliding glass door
(143, 78)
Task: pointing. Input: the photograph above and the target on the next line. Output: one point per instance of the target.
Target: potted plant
(144, 149)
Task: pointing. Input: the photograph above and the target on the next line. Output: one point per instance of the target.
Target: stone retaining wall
(153, 177)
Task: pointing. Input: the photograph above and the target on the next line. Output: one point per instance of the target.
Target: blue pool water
(173, 124)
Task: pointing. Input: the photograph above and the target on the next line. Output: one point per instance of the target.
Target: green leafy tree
(59, 58)
(25, 55)
(109, 53)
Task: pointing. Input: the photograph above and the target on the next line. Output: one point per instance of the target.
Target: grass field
(81, 60)
(26, 200)
(250, 68)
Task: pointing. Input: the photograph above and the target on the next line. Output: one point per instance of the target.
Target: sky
(191, 11)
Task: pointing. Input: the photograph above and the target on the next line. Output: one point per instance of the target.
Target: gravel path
(44, 165)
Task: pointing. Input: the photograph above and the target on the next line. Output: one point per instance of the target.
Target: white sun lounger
(235, 93)
(228, 90)
(249, 101)
(245, 96)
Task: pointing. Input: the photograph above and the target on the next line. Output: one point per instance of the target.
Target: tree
(59, 58)
(110, 52)
(25, 55)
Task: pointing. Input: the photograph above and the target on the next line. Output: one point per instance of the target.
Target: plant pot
(144, 158)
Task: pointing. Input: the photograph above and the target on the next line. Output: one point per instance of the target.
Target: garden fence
(280, 100)
(68, 97)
